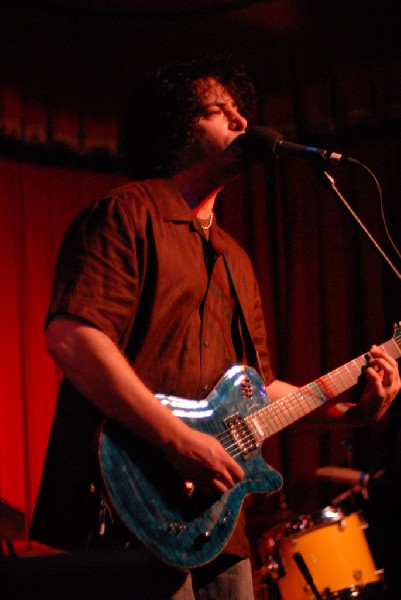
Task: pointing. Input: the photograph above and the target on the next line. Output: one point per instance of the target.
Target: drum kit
(322, 555)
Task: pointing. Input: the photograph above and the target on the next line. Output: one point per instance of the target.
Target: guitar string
(232, 447)
(229, 442)
(269, 410)
(306, 395)
(281, 406)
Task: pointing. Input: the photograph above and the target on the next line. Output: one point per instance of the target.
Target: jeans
(212, 583)
(141, 576)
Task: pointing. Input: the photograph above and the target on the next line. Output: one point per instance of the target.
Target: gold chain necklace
(208, 226)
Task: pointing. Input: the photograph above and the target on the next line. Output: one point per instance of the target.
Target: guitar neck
(276, 416)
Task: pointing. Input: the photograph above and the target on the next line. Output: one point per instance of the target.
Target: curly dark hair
(159, 121)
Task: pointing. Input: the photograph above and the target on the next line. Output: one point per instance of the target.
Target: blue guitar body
(148, 494)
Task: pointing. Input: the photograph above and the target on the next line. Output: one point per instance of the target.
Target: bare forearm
(279, 389)
(96, 367)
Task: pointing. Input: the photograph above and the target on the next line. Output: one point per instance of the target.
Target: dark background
(326, 73)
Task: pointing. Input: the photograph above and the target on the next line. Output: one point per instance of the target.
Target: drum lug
(364, 523)
(271, 569)
(357, 574)
(380, 575)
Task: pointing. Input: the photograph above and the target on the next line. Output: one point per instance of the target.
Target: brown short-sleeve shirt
(137, 266)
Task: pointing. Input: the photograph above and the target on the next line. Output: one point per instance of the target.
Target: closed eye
(210, 111)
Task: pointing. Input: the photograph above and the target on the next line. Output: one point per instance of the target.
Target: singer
(152, 296)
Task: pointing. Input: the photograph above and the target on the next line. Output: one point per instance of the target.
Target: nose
(236, 121)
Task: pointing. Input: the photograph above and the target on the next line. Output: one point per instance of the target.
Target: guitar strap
(252, 355)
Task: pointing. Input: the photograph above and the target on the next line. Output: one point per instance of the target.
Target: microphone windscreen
(259, 143)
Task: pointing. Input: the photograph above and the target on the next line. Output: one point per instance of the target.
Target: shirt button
(205, 343)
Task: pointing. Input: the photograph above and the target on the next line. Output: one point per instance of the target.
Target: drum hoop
(327, 516)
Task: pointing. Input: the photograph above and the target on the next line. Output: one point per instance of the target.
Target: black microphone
(259, 143)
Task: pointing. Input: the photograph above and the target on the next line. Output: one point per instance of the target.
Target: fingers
(381, 356)
(226, 480)
(220, 482)
(383, 369)
(226, 475)
(221, 486)
(384, 382)
(205, 463)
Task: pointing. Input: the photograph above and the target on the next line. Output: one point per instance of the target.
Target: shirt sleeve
(97, 273)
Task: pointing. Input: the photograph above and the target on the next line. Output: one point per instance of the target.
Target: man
(152, 296)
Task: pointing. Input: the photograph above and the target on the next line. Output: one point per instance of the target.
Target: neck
(199, 192)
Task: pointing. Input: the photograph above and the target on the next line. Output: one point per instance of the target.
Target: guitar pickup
(241, 436)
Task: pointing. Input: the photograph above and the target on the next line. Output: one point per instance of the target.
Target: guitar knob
(177, 527)
(189, 488)
(226, 517)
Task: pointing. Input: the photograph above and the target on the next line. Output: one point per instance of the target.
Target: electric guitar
(190, 529)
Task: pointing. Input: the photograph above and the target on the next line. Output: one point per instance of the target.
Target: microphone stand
(329, 182)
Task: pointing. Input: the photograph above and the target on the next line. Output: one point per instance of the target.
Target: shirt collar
(169, 200)
(174, 208)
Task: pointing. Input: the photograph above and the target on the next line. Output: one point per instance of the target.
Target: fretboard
(279, 414)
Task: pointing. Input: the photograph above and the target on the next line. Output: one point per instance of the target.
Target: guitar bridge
(241, 435)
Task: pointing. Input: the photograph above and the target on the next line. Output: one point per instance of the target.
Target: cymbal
(12, 522)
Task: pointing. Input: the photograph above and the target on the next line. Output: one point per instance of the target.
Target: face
(218, 124)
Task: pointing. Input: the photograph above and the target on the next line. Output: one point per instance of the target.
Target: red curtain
(36, 205)
(327, 293)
